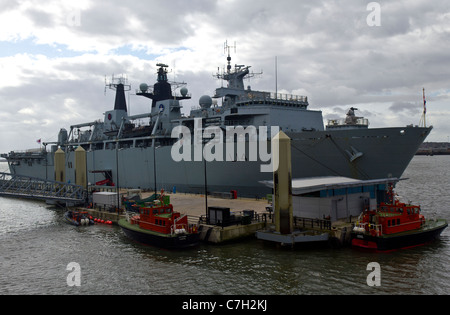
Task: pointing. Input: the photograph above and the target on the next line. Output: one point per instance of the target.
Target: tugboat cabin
(393, 217)
(162, 219)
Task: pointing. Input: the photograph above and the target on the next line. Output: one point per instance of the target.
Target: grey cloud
(160, 22)
(325, 49)
(408, 107)
(40, 18)
(9, 4)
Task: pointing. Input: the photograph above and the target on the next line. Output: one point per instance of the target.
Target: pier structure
(223, 226)
(52, 191)
(19, 186)
(319, 209)
(283, 232)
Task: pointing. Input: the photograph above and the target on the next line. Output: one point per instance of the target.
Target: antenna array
(226, 49)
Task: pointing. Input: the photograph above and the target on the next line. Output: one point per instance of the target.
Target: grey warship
(121, 152)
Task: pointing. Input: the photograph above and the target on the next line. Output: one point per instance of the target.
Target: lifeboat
(395, 225)
(78, 218)
(159, 225)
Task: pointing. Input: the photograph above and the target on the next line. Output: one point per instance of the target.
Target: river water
(36, 247)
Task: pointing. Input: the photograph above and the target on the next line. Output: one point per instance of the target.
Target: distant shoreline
(432, 153)
(434, 148)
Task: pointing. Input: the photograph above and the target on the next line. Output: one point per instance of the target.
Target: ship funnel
(119, 84)
(120, 102)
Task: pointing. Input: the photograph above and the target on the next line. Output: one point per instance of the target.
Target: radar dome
(184, 91)
(205, 101)
(143, 87)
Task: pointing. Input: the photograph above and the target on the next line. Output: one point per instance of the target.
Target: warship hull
(122, 152)
(356, 153)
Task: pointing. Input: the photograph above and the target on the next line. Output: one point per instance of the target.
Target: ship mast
(226, 48)
(235, 78)
(424, 111)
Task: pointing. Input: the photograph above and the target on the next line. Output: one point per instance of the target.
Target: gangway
(20, 186)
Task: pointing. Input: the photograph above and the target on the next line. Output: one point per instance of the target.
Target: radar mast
(235, 78)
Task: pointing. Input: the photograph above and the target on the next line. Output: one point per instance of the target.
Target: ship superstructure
(120, 151)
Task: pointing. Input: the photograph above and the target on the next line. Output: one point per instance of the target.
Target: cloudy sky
(54, 56)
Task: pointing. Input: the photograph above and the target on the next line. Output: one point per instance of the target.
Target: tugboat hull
(399, 240)
(175, 241)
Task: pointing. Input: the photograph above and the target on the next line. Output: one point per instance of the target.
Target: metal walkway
(34, 188)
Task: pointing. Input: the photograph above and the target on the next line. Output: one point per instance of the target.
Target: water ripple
(36, 246)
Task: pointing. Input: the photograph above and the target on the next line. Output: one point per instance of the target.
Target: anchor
(355, 154)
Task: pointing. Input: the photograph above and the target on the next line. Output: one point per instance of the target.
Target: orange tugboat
(159, 225)
(395, 225)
